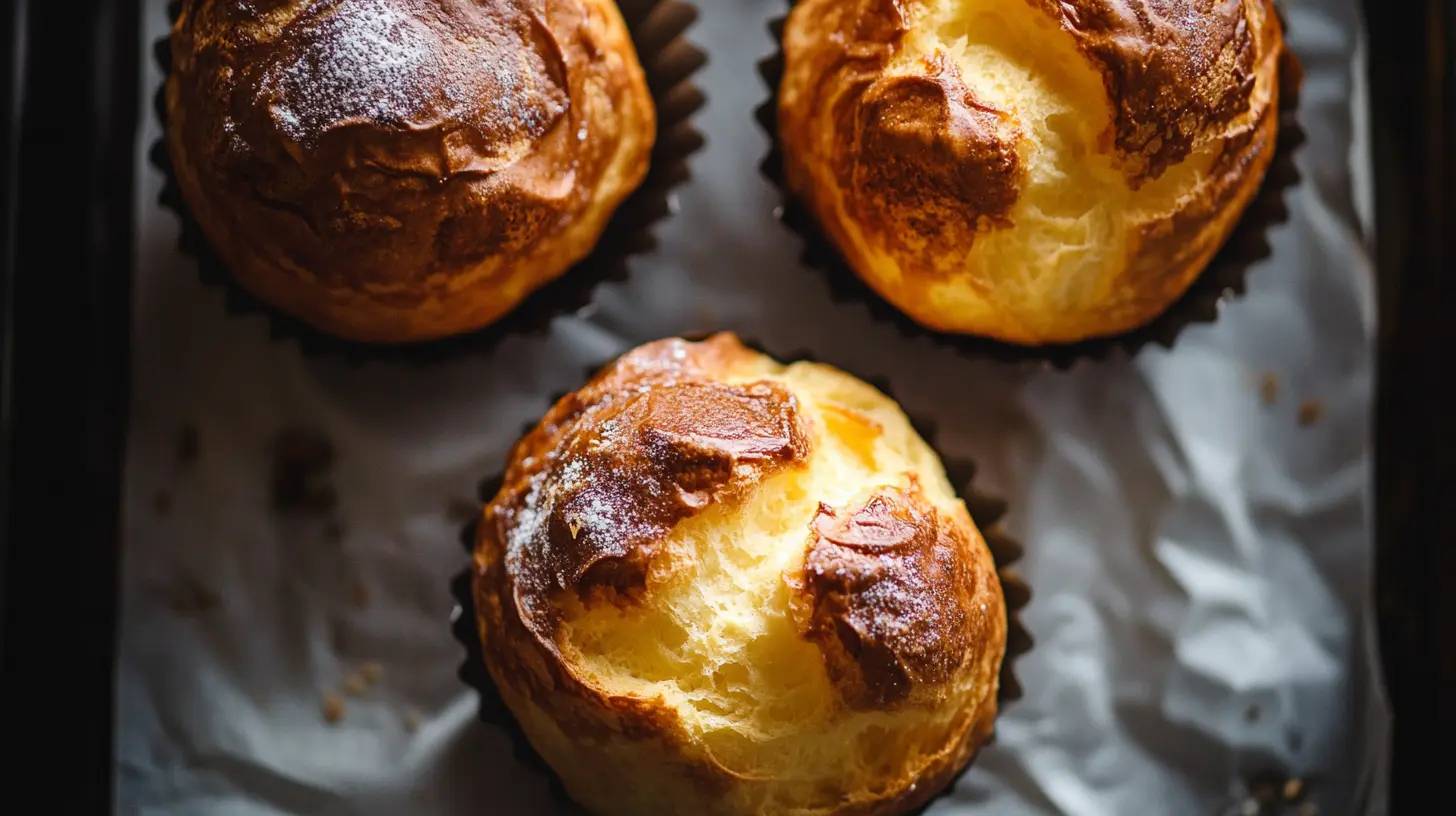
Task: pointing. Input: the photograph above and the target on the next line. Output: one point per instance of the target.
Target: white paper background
(1194, 553)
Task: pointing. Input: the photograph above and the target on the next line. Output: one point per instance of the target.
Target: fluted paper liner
(669, 60)
(985, 510)
(1224, 278)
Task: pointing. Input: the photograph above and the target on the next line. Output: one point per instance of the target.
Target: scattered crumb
(162, 504)
(1250, 807)
(371, 672)
(462, 511)
(1310, 411)
(301, 458)
(333, 708)
(1251, 714)
(1269, 387)
(187, 597)
(187, 444)
(361, 680)
(411, 722)
(360, 595)
(1265, 788)
(1293, 789)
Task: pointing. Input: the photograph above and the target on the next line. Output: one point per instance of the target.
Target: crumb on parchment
(301, 459)
(411, 721)
(1269, 387)
(1310, 411)
(361, 680)
(1273, 793)
(333, 708)
(359, 594)
(371, 672)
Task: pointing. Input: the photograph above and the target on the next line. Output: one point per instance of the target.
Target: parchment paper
(1200, 556)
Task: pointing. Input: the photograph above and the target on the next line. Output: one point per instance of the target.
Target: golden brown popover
(393, 171)
(715, 584)
(1031, 171)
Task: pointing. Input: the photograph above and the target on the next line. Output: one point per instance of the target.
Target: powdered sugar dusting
(385, 63)
(581, 487)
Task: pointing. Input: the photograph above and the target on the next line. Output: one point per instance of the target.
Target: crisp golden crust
(1176, 71)
(901, 597)
(711, 583)
(931, 157)
(1029, 170)
(402, 170)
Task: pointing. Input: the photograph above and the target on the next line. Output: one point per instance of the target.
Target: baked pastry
(392, 171)
(714, 584)
(1030, 171)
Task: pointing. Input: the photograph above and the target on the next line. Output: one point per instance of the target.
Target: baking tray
(1413, 82)
(70, 86)
(70, 72)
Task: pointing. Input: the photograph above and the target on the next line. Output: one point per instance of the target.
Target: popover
(1029, 171)
(715, 584)
(392, 171)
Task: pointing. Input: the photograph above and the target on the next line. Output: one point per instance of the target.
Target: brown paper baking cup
(1224, 278)
(670, 61)
(986, 511)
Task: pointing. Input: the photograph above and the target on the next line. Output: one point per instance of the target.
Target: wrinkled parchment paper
(1197, 522)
